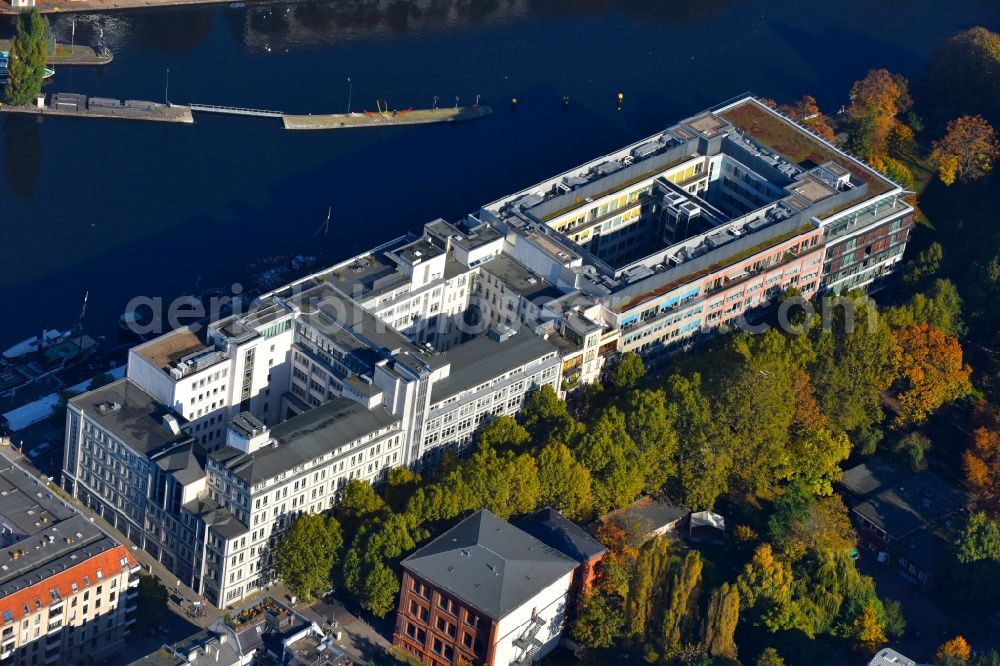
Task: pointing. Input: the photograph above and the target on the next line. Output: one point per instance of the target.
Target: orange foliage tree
(981, 461)
(876, 100)
(807, 112)
(932, 372)
(966, 151)
(955, 649)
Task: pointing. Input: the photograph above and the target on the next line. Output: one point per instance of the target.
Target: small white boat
(5, 61)
(32, 345)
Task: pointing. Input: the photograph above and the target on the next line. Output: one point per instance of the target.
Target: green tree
(682, 604)
(614, 461)
(306, 553)
(646, 587)
(28, 54)
(564, 483)
(895, 620)
(599, 622)
(507, 485)
(358, 504)
(940, 307)
(703, 460)
(920, 269)
(912, 449)
(720, 621)
(963, 75)
(649, 422)
(151, 601)
(802, 522)
(770, 657)
(400, 486)
(628, 370)
(545, 416)
(504, 433)
(855, 360)
(979, 540)
(366, 571)
(100, 380)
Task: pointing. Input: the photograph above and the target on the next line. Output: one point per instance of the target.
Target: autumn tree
(868, 633)
(967, 150)
(802, 522)
(876, 100)
(720, 621)
(963, 75)
(564, 483)
(912, 448)
(981, 463)
(932, 372)
(306, 553)
(954, 652)
(765, 586)
(806, 111)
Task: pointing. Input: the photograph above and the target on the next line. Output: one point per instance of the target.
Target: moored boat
(5, 60)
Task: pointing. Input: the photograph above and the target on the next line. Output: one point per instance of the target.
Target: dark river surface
(122, 209)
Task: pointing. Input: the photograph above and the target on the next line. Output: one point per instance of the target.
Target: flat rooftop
(521, 279)
(911, 503)
(169, 349)
(131, 414)
(484, 358)
(305, 437)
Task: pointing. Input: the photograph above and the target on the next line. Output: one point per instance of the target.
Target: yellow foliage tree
(868, 633)
(932, 372)
(966, 151)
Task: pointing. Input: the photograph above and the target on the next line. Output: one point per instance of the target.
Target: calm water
(121, 208)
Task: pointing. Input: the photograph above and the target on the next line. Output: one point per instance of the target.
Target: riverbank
(78, 106)
(64, 6)
(83, 56)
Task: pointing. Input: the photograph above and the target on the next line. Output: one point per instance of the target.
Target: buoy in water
(513, 104)
(621, 97)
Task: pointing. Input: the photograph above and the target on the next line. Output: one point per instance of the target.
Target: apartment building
(484, 592)
(67, 589)
(649, 249)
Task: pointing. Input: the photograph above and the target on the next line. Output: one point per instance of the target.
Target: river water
(121, 209)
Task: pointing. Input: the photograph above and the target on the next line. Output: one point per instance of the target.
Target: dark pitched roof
(871, 476)
(556, 530)
(649, 514)
(911, 503)
(489, 564)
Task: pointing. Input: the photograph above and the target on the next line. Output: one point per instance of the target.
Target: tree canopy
(306, 553)
(28, 53)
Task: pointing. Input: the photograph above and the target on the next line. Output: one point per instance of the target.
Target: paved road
(360, 640)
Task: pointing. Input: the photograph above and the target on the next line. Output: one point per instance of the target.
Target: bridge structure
(236, 111)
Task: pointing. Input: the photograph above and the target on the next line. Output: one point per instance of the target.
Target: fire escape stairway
(529, 643)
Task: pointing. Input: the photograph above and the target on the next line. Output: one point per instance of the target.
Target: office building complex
(216, 437)
(67, 589)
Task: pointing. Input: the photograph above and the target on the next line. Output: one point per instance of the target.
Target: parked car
(39, 450)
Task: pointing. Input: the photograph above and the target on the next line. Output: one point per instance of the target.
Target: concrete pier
(415, 117)
(65, 54)
(80, 106)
